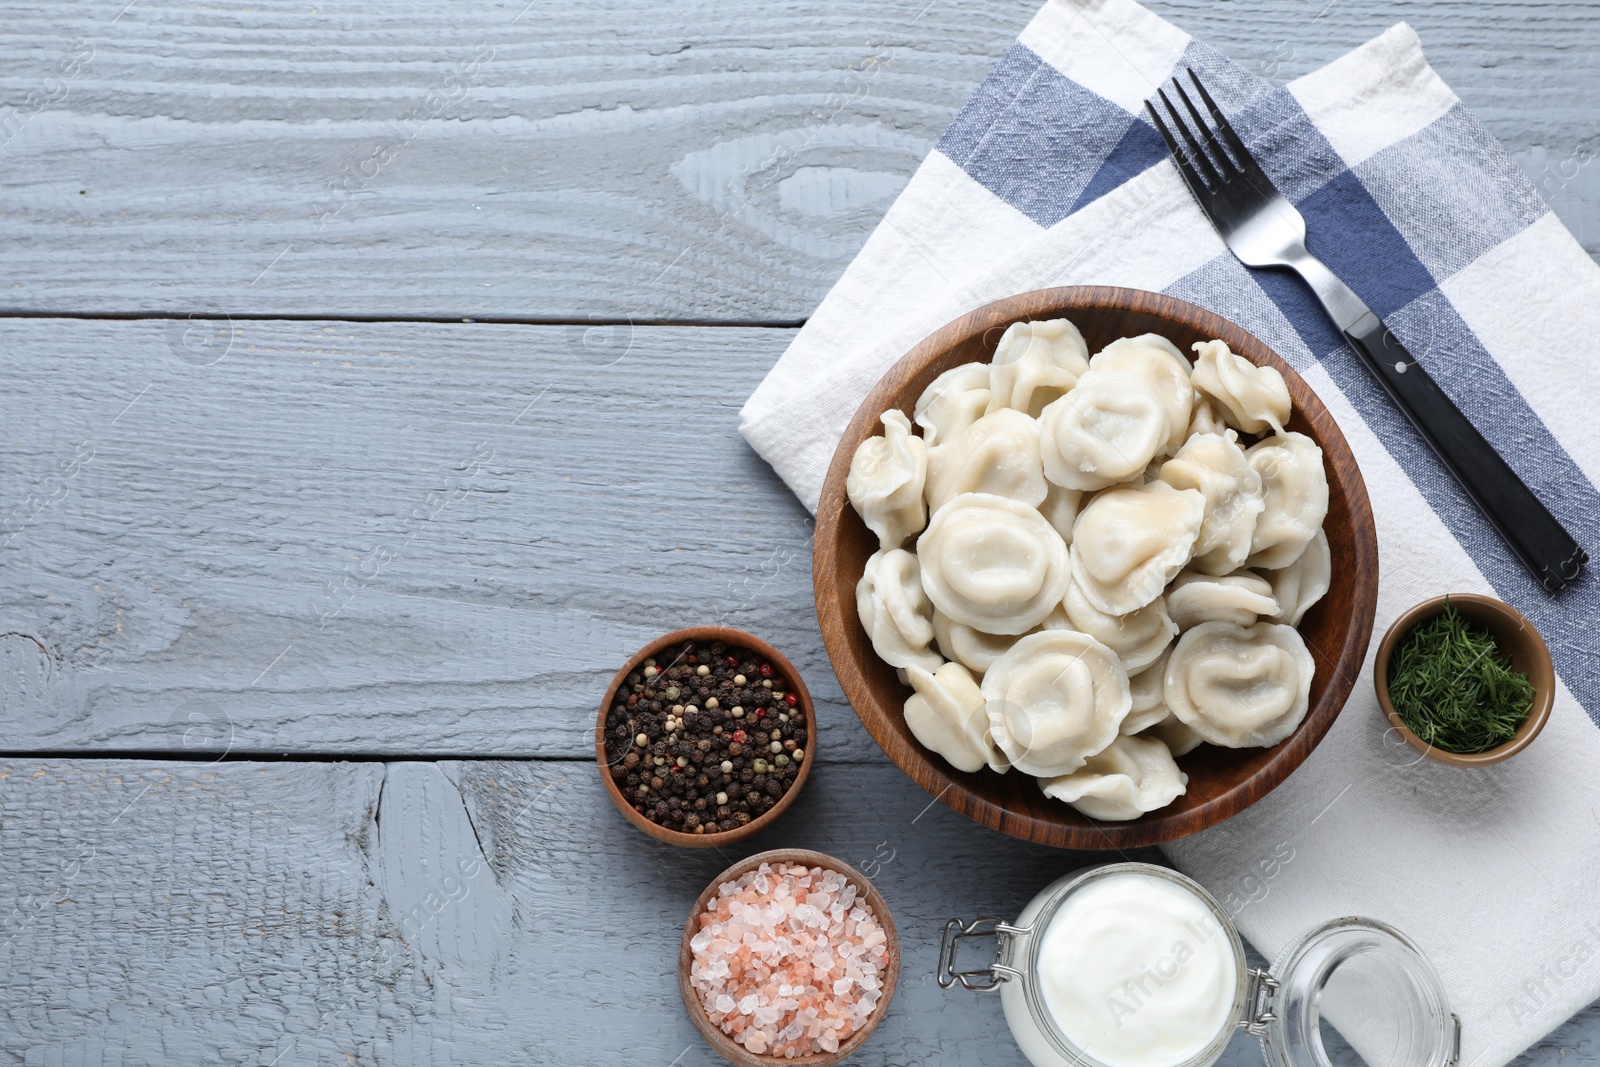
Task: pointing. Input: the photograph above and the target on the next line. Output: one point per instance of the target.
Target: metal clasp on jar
(978, 979)
(1260, 990)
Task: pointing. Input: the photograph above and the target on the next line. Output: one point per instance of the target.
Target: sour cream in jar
(1135, 965)
(1136, 971)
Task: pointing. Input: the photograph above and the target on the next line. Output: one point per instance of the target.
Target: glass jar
(1372, 978)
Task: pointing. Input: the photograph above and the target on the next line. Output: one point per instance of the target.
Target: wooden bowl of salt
(887, 965)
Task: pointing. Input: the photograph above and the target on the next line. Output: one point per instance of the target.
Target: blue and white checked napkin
(1051, 175)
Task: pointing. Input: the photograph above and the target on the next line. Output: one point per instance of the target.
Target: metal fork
(1263, 229)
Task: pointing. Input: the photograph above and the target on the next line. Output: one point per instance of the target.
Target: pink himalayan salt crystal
(789, 961)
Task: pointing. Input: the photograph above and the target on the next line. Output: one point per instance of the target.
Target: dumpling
(1178, 738)
(974, 649)
(1303, 582)
(1146, 688)
(993, 564)
(895, 611)
(1103, 432)
(1060, 509)
(1207, 417)
(1129, 777)
(1295, 489)
(955, 400)
(1240, 686)
(1056, 698)
(1164, 372)
(998, 454)
(1253, 399)
(1240, 598)
(1137, 638)
(1217, 467)
(1057, 620)
(1034, 363)
(1129, 543)
(946, 714)
(886, 481)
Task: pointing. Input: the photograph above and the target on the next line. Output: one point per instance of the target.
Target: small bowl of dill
(1465, 679)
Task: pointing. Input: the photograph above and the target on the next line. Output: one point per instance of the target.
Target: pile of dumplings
(1090, 566)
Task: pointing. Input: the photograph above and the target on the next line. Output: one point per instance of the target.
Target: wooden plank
(682, 161)
(422, 913)
(377, 538)
(166, 913)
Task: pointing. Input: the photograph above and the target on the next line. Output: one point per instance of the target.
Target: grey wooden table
(370, 386)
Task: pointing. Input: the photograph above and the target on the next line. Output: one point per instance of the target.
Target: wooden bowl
(726, 1046)
(740, 639)
(1222, 782)
(1515, 635)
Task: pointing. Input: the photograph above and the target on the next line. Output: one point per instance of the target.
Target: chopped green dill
(1454, 688)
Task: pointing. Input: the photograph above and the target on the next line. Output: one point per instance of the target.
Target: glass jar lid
(1371, 983)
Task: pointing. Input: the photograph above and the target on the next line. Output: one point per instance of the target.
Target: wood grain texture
(727, 1047)
(161, 588)
(631, 160)
(1222, 782)
(687, 161)
(457, 913)
(378, 538)
(421, 913)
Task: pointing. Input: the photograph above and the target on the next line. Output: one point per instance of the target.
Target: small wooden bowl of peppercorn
(1519, 650)
(705, 736)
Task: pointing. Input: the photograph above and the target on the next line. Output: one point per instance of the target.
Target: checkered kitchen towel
(1051, 175)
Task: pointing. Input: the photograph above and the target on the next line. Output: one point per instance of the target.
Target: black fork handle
(1538, 539)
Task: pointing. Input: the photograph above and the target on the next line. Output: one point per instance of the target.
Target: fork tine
(1166, 135)
(1180, 159)
(1192, 153)
(1241, 154)
(1223, 162)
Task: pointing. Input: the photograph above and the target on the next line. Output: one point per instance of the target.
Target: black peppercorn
(700, 762)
